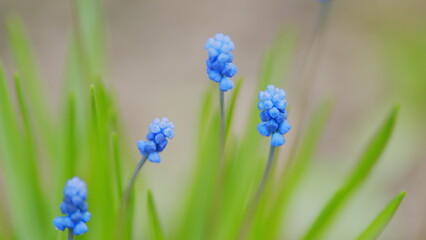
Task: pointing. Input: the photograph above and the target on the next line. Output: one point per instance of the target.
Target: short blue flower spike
(159, 131)
(75, 207)
(272, 105)
(219, 64)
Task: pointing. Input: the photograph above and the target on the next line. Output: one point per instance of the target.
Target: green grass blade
(153, 219)
(30, 143)
(365, 165)
(89, 25)
(381, 221)
(25, 61)
(195, 216)
(27, 217)
(117, 164)
(32, 85)
(71, 148)
(101, 173)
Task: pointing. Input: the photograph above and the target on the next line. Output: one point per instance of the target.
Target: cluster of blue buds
(159, 131)
(219, 64)
(272, 105)
(75, 207)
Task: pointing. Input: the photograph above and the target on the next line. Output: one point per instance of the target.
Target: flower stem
(70, 234)
(132, 180)
(265, 174)
(222, 119)
(125, 201)
(252, 207)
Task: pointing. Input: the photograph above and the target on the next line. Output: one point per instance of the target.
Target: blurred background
(371, 55)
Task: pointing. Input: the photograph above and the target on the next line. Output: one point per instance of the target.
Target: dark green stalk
(222, 120)
(259, 192)
(121, 217)
(70, 234)
(266, 174)
(132, 180)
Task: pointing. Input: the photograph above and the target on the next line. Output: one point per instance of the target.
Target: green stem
(222, 119)
(70, 234)
(123, 208)
(252, 207)
(132, 180)
(266, 174)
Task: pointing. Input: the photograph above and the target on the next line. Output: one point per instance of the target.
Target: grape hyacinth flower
(157, 136)
(75, 207)
(272, 105)
(159, 132)
(219, 64)
(220, 69)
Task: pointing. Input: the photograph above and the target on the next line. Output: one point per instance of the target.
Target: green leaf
(153, 219)
(71, 149)
(27, 217)
(101, 173)
(117, 164)
(31, 88)
(381, 221)
(196, 212)
(25, 61)
(365, 165)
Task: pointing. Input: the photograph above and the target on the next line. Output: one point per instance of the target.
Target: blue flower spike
(219, 64)
(74, 206)
(159, 132)
(273, 107)
(156, 141)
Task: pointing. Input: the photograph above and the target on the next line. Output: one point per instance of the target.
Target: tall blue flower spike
(159, 131)
(272, 105)
(74, 207)
(219, 64)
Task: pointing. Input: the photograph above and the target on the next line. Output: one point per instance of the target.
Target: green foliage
(380, 222)
(39, 152)
(366, 163)
(153, 220)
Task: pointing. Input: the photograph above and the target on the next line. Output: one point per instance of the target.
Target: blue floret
(159, 132)
(75, 207)
(219, 64)
(273, 107)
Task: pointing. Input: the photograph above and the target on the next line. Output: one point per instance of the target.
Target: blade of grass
(32, 85)
(197, 209)
(19, 178)
(153, 219)
(101, 173)
(365, 165)
(117, 166)
(70, 143)
(25, 62)
(377, 226)
(31, 148)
